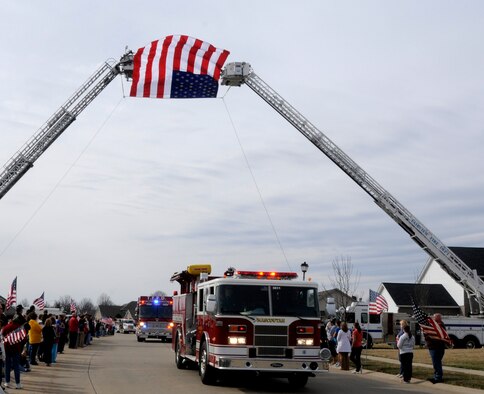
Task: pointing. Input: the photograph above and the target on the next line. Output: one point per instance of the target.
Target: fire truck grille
(270, 336)
(271, 352)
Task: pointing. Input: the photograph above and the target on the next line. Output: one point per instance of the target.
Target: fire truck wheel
(298, 381)
(208, 374)
(179, 360)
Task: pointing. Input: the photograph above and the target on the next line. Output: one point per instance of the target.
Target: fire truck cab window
(243, 300)
(364, 318)
(294, 301)
(155, 311)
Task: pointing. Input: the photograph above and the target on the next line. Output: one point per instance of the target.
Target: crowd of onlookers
(40, 338)
(346, 345)
(343, 343)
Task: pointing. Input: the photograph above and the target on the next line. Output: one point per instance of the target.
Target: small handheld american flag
(16, 336)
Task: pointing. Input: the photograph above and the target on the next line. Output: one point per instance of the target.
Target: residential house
(106, 311)
(433, 273)
(340, 298)
(432, 298)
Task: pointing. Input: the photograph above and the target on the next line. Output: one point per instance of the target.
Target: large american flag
(429, 326)
(73, 306)
(12, 295)
(40, 302)
(15, 336)
(377, 303)
(177, 66)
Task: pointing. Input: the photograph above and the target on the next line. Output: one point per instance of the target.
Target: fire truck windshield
(154, 311)
(254, 300)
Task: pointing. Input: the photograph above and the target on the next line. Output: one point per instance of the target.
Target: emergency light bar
(265, 275)
(150, 300)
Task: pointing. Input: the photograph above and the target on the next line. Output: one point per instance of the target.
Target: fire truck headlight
(236, 340)
(142, 324)
(305, 342)
(170, 325)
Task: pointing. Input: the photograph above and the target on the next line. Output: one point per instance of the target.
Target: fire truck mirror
(211, 306)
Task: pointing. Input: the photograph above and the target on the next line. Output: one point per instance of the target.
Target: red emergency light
(265, 275)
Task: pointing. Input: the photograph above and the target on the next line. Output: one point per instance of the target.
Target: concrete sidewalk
(446, 368)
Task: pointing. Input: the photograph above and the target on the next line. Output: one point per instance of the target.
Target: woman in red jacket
(356, 347)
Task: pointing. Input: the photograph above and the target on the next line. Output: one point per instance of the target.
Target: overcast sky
(163, 184)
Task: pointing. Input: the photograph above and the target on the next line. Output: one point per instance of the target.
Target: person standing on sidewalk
(344, 346)
(356, 347)
(35, 337)
(12, 354)
(405, 344)
(403, 324)
(73, 329)
(437, 350)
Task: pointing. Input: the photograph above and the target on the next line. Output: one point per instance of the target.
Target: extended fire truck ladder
(236, 74)
(24, 159)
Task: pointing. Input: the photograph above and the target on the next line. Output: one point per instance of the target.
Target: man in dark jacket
(436, 349)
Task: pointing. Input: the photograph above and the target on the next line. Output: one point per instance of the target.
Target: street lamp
(304, 269)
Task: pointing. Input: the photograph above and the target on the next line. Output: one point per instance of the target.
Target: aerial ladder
(24, 159)
(238, 73)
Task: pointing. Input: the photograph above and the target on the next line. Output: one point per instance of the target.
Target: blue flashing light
(156, 301)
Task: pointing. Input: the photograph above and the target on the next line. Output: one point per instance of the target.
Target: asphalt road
(120, 364)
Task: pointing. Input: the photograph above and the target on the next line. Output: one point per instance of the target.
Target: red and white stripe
(154, 65)
(15, 336)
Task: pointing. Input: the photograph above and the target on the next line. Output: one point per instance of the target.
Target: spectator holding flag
(14, 334)
(436, 348)
(436, 337)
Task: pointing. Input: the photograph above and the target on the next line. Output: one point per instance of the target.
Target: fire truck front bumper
(271, 365)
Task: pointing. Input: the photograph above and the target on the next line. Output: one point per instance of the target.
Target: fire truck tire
(179, 360)
(298, 381)
(140, 339)
(208, 374)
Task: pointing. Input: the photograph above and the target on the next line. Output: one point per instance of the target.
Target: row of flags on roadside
(38, 302)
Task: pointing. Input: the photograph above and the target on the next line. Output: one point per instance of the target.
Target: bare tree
(104, 299)
(63, 303)
(158, 293)
(85, 306)
(346, 279)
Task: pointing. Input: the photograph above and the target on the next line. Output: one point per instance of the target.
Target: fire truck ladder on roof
(236, 74)
(24, 159)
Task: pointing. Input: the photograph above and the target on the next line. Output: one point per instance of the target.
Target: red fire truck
(247, 321)
(154, 318)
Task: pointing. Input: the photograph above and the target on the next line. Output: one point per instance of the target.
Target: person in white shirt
(405, 344)
(344, 346)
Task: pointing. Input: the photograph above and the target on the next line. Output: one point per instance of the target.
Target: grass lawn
(461, 358)
(454, 378)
